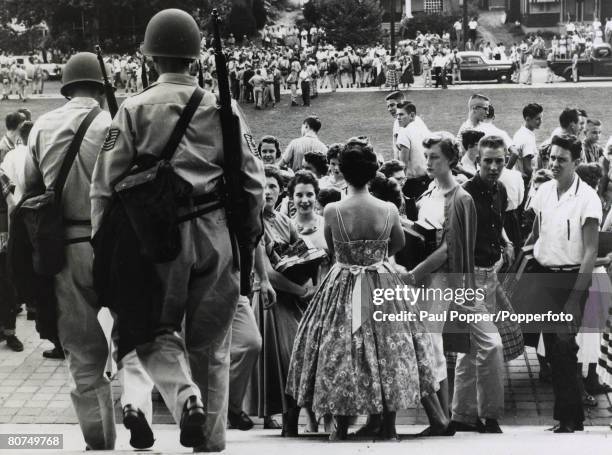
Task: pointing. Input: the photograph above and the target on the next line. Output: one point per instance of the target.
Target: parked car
(475, 67)
(598, 65)
(50, 70)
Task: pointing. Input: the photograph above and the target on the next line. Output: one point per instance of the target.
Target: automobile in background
(598, 65)
(50, 70)
(475, 67)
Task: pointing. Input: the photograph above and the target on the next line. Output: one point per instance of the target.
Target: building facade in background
(550, 13)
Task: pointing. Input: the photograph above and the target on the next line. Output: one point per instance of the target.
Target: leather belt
(69, 222)
(78, 240)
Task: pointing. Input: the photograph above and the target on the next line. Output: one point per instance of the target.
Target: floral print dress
(337, 369)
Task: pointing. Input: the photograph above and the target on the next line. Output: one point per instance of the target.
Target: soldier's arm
(33, 182)
(114, 160)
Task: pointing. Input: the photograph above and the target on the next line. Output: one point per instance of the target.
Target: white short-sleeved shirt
(525, 141)
(431, 207)
(468, 165)
(473, 25)
(396, 129)
(561, 220)
(515, 187)
(412, 137)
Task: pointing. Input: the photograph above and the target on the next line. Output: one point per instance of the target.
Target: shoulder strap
(341, 227)
(182, 124)
(384, 233)
(73, 150)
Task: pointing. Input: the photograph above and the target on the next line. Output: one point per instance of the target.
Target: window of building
(433, 6)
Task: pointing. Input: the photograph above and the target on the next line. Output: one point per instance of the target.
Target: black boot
(341, 431)
(290, 423)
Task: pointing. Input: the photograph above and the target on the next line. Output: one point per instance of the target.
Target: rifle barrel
(109, 90)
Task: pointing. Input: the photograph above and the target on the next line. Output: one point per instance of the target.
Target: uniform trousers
(244, 352)
(202, 285)
(136, 385)
(85, 346)
(479, 381)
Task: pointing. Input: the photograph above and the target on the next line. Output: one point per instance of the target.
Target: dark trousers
(277, 91)
(8, 299)
(513, 228)
(437, 73)
(562, 353)
(561, 347)
(306, 93)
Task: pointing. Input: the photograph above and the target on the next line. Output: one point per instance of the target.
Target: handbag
(152, 193)
(42, 214)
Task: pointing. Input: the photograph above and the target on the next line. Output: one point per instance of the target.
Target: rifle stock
(109, 90)
(233, 197)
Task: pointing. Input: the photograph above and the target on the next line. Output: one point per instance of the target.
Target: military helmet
(81, 67)
(172, 33)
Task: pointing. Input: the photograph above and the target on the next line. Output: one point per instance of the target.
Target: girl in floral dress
(344, 362)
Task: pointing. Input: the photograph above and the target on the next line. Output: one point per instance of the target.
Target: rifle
(109, 90)
(143, 73)
(233, 196)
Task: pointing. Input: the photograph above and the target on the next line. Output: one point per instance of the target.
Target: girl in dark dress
(280, 321)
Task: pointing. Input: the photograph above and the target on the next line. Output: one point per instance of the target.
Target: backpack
(42, 214)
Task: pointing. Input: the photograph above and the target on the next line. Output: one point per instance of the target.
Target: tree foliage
(119, 24)
(347, 22)
(241, 21)
(260, 13)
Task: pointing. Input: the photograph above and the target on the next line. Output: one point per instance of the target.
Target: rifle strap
(182, 124)
(73, 150)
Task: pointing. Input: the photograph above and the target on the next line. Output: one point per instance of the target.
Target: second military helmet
(172, 33)
(81, 67)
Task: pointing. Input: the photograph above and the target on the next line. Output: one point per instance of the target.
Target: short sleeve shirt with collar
(525, 141)
(412, 137)
(561, 221)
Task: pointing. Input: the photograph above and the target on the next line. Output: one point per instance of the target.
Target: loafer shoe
(239, 421)
(491, 426)
(55, 353)
(13, 342)
(141, 435)
(192, 423)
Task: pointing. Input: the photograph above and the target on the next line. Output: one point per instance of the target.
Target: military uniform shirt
(48, 144)
(144, 123)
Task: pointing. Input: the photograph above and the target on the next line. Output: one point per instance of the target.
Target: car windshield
(472, 60)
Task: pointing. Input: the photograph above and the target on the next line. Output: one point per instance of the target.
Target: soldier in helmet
(201, 284)
(80, 334)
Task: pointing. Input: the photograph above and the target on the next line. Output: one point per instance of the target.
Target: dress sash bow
(359, 305)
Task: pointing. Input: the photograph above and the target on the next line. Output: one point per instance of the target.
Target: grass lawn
(353, 114)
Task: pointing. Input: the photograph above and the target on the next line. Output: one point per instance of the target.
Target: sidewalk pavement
(539, 81)
(34, 390)
(514, 440)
